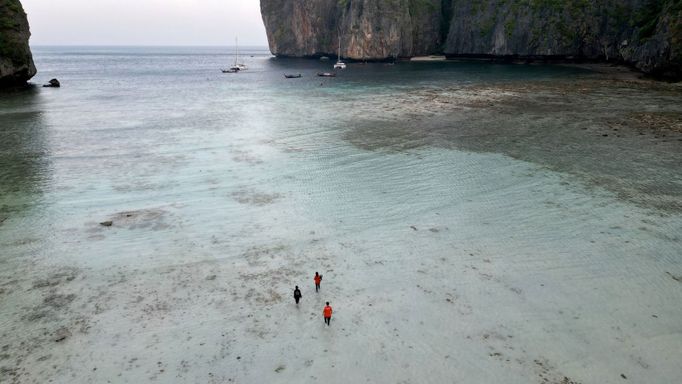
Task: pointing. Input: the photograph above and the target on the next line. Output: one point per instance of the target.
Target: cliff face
(644, 33)
(16, 61)
(370, 30)
(660, 51)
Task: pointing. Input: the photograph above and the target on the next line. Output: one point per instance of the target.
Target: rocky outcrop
(16, 61)
(54, 83)
(644, 33)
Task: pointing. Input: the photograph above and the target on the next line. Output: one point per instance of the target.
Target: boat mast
(236, 57)
(338, 56)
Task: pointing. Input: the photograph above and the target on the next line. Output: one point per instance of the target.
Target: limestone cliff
(643, 33)
(16, 61)
(369, 30)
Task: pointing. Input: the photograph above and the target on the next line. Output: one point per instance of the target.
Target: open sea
(474, 222)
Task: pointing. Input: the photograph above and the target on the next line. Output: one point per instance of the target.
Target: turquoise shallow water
(505, 184)
(139, 127)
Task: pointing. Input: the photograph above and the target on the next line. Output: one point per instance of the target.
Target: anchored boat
(339, 64)
(237, 67)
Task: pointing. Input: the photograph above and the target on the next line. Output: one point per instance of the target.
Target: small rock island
(646, 34)
(16, 60)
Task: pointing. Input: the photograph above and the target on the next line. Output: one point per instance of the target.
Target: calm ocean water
(351, 173)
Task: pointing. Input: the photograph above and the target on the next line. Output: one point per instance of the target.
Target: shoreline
(601, 66)
(620, 72)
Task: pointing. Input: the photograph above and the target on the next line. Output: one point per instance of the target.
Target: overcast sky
(145, 22)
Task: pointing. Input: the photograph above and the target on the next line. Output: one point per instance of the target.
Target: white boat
(339, 64)
(237, 65)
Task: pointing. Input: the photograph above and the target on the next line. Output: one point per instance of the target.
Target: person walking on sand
(327, 313)
(297, 294)
(318, 280)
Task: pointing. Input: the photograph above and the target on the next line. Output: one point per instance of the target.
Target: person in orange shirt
(318, 280)
(327, 313)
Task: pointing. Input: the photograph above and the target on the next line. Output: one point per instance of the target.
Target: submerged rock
(151, 218)
(676, 278)
(59, 301)
(62, 334)
(16, 60)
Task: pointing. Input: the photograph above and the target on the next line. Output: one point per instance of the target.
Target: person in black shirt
(297, 294)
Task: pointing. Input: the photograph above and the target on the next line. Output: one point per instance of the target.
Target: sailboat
(237, 65)
(339, 64)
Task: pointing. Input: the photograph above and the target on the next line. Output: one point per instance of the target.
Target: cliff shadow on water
(24, 157)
